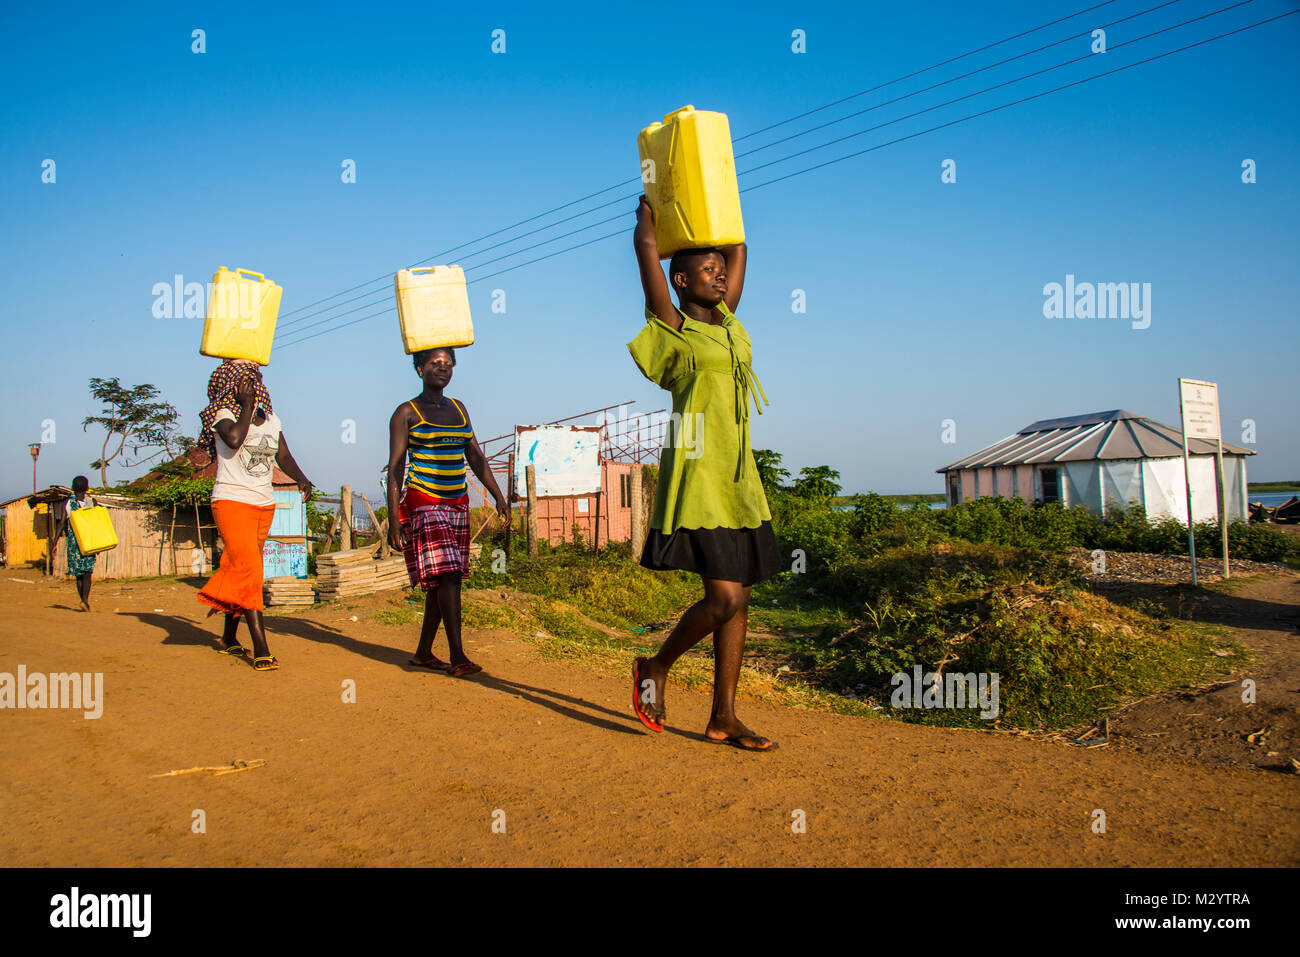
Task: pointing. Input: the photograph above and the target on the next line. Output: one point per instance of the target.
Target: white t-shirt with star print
(244, 474)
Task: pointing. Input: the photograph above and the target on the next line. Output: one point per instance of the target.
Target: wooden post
(345, 514)
(383, 537)
(638, 513)
(599, 496)
(171, 534)
(531, 475)
(510, 497)
(52, 526)
(1223, 508)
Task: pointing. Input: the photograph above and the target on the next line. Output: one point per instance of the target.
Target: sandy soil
(413, 772)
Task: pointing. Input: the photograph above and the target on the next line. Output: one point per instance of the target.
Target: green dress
(78, 564)
(710, 513)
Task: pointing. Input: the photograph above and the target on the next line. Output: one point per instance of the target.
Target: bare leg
(723, 611)
(229, 638)
(429, 630)
(728, 650)
(449, 607)
(260, 650)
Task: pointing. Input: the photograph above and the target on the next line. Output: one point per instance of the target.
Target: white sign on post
(1199, 404)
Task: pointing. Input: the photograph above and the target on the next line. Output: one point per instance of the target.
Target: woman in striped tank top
(430, 441)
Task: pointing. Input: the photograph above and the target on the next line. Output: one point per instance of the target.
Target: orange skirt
(237, 585)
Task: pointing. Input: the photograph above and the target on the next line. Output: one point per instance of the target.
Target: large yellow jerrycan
(689, 173)
(433, 308)
(93, 530)
(242, 309)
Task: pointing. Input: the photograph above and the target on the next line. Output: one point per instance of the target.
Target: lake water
(1270, 499)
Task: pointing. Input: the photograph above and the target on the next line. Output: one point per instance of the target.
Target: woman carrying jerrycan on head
(428, 503)
(243, 434)
(710, 513)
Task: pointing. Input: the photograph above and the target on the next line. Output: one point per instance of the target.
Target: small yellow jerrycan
(433, 308)
(689, 173)
(242, 309)
(93, 530)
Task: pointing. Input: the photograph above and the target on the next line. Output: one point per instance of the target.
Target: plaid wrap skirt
(437, 543)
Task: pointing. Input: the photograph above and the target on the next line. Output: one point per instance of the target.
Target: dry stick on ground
(218, 769)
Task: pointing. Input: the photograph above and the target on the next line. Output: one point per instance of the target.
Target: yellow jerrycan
(689, 173)
(93, 530)
(242, 309)
(433, 308)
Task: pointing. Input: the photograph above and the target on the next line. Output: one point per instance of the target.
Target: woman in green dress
(710, 513)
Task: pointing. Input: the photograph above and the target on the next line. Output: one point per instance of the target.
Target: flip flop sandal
(464, 669)
(433, 663)
(736, 739)
(266, 663)
(235, 651)
(653, 719)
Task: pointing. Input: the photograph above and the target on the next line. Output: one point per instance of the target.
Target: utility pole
(35, 448)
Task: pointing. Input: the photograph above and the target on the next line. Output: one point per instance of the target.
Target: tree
(136, 420)
(770, 472)
(818, 481)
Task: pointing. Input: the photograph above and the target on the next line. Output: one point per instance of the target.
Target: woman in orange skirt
(243, 435)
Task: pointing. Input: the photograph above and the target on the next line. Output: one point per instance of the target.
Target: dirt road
(417, 770)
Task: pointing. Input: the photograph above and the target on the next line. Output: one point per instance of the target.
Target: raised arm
(398, 435)
(735, 259)
(658, 298)
(234, 433)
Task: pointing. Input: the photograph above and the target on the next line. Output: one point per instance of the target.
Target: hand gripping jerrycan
(433, 308)
(689, 173)
(242, 309)
(93, 530)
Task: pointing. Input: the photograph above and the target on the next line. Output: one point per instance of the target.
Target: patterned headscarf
(222, 384)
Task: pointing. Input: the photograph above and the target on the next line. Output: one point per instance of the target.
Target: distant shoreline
(905, 498)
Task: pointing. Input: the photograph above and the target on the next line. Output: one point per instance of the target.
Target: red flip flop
(646, 719)
(433, 663)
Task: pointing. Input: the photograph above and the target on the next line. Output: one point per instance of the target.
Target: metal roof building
(1103, 460)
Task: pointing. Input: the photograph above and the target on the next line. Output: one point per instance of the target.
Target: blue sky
(924, 299)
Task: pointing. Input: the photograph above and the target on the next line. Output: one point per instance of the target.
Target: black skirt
(745, 555)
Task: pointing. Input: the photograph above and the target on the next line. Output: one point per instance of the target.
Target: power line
(990, 46)
(1190, 46)
(629, 182)
(1027, 76)
(382, 296)
(964, 76)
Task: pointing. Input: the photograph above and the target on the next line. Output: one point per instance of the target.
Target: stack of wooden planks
(357, 572)
(288, 591)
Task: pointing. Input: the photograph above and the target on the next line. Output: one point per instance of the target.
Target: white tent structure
(1104, 461)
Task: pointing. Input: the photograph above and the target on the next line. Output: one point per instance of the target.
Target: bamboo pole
(638, 512)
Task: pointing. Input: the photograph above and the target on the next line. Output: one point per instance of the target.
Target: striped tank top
(436, 456)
